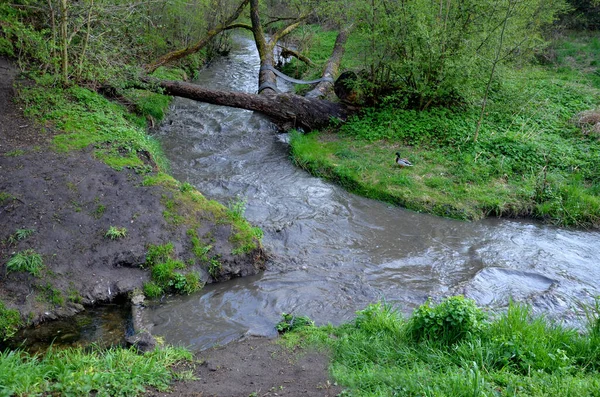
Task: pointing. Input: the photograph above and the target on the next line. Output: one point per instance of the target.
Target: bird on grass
(402, 162)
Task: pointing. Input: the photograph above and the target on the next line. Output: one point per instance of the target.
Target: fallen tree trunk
(332, 66)
(286, 110)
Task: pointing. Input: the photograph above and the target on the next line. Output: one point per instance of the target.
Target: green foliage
(159, 253)
(18, 235)
(186, 187)
(5, 197)
(15, 153)
(152, 290)
(453, 320)
(163, 273)
(214, 267)
(99, 211)
(10, 321)
(165, 278)
(87, 119)
(514, 354)
(116, 233)
(530, 158)
(419, 55)
(108, 372)
(148, 103)
(52, 295)
(200, 250)
(237, 208)
(289, 322)
(18, 38)
(26, 261)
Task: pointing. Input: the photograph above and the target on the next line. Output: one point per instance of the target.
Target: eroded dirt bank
(69, 201)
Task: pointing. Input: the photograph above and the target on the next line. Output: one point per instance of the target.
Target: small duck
(402, 162)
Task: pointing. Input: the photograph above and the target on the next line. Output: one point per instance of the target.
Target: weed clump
(26, 261)
(116, 233)
(10, 320)
(167, 273)
(453, 320)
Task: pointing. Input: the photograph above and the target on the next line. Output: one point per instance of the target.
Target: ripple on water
(494, 286)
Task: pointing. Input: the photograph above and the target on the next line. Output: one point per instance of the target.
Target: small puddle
(103, 326)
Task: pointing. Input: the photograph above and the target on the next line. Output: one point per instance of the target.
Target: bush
(454, 319)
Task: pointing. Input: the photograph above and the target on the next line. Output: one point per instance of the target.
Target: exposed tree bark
(267, 81)
(64, 6)
(286, 110)
(332, 67)
(178, 54)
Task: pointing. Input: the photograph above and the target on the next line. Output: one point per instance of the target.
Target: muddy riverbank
(67, 202)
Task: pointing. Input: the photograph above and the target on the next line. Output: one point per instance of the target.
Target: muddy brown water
(332, 252)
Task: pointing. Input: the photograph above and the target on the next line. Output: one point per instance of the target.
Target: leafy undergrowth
(454, 349)
(185, 206)
(530, 159)
(112, 372)
(86, 118)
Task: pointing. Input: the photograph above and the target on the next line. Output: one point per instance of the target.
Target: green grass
(10, 321)
(382, 353)
(116, 233)
(112, 372)
(19, 235)
(87, 118)
(169, 274)
(26, 261)
(529, 160)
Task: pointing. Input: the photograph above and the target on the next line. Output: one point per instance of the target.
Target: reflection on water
(103, 326)
(333, 252)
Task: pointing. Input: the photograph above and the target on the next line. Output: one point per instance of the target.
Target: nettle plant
(451, 321)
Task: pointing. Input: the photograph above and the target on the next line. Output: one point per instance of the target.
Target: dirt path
(257, 367)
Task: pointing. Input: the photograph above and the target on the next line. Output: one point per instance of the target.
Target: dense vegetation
(73, 372)
(456, 349)
(533, 152)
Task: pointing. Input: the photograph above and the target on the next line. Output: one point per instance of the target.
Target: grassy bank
(454, 349)
(535, 156)
(112, 372)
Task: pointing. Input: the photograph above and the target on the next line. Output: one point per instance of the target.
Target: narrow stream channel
(333, 252)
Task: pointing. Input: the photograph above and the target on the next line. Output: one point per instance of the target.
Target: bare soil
(256, 367)
(70, 200)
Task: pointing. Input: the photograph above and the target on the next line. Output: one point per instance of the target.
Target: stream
(332, 253)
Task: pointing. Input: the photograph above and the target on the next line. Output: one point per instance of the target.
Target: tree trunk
(182, 53)
(332, 67)
(286, 110)
(64, 6)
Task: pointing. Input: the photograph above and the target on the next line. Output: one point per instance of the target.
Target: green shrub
(452, 320)
(290, 322)
(26, 261)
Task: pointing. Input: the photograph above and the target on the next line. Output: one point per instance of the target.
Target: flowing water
(332, 253)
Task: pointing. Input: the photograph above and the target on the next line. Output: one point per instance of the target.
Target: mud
(70, 201)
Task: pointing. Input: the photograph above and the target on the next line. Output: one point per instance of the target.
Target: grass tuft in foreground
(112, 372)
(455, 349)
